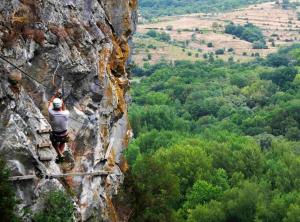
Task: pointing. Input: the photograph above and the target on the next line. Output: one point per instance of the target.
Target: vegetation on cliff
(57, 207)
(7, 196)
(216, 141)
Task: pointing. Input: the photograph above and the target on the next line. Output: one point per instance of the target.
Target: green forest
(155, 8)
(216, 141)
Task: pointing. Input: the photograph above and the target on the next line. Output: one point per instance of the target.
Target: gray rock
(89, 39)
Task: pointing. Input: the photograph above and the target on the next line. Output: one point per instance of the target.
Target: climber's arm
(58, 94)
(50, 102)
(63, 106)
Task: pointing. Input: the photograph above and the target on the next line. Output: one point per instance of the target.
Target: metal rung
(44, 131)
(27, 177)
(43, 145)
(56, 176)
(45, 158)
(94, 174)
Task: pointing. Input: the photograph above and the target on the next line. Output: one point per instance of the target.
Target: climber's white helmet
(57, 103)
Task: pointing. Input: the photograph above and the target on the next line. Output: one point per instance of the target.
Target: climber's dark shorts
(59, 137)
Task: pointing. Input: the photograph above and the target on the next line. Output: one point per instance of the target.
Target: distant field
(278, 25)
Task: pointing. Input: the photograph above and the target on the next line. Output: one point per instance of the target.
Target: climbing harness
(58, 138)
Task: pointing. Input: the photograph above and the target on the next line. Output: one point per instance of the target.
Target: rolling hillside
(202, 36)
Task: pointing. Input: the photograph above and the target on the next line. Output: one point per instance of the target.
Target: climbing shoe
(59, 159)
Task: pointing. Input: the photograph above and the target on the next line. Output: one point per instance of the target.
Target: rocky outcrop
(87, 43)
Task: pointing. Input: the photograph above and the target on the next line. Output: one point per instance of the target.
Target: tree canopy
(216, 141)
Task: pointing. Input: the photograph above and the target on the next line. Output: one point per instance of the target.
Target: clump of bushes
(248, 32)
(7, 195)
(169, 27)
(220, 52)
(259, 45)
(57, 207)
(210, 45)
(160, 36)
(151, 46)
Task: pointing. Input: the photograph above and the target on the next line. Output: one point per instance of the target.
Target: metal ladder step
(44, 131)
(43, 145)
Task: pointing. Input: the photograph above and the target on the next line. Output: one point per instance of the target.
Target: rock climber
(59, 118)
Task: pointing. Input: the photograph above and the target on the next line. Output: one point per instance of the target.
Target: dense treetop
(216, 141)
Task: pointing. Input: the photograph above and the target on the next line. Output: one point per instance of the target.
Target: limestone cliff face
(86, 41)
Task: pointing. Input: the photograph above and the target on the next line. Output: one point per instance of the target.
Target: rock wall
(86, 42)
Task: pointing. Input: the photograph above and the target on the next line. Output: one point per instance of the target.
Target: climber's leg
(61, 148)
(57, 149)
(56, 144)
